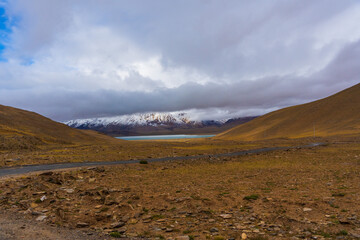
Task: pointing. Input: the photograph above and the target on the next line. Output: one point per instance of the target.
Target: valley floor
(296, 194)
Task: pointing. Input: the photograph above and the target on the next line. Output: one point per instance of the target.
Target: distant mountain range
(155, 123)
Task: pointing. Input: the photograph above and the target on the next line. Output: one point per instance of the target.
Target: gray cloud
(119, 57)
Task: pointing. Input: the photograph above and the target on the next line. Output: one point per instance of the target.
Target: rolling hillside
(337, 114)
(23, 129)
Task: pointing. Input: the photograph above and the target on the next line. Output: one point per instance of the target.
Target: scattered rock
(344, 221)
(82, 225)
(33, 205)
(243, 236)
(46, 173)
(69, 190)
(307, 209)
(35, 213)
(214, 230)
(183, 238)
(41, 218)
(109, 201)
(122, 230)
(226, 216)
(92, 180)
(132, 221)
(117, 224)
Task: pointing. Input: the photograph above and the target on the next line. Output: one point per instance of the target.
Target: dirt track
(46, 167)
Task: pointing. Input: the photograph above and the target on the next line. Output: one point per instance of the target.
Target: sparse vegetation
(251, 197)
(342, 233)
(115, 235)
(338, 194)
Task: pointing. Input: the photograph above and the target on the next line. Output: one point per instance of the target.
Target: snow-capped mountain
(146, 123)
(140, 119)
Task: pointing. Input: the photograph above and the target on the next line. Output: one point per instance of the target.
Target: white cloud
(115, 57)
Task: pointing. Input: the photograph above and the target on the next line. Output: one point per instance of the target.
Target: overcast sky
(70, 59)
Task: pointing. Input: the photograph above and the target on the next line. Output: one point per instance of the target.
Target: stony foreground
(295, 194)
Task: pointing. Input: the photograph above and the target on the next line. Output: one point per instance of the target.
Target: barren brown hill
(24, 129)
(337, 114)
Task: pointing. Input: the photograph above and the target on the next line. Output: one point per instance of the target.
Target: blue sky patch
(4, 32)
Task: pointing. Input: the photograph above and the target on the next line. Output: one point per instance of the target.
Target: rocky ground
(15, 226)
(295, 194)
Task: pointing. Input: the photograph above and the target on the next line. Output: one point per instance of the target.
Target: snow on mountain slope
(142, 119)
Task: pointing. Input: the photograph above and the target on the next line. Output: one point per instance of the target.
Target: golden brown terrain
(295, 194)
(301, 193)
(24, 130)
(334, 115)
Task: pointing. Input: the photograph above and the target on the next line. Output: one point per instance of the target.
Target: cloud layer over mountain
(80, 59)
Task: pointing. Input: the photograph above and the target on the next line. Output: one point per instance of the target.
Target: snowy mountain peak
(140, 119)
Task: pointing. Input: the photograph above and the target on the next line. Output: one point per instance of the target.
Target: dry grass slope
(337, 114)
(24, 129)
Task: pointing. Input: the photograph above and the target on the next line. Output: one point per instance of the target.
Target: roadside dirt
(14, 226)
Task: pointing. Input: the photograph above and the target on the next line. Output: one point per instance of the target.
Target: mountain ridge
(21, 129)
(155, 123)
(333, 115)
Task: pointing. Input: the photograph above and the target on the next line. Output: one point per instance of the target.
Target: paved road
(46, 167)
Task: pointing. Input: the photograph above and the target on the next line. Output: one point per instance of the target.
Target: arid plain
(297, 193)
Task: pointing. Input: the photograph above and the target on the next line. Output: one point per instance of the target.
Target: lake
(162, 137)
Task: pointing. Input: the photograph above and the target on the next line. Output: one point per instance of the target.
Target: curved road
(55, 166)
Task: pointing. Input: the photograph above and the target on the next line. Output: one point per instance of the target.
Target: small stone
(91, 180)
(214, 230)
(133, 221)
(41, 218)
(82, 225)
(117, 224)
(169, 230)
(69, 190)
(35, 213)
(98, 206)
(355, 235)
(226, 216)
(125, 218)
(43, 198)
(243, 236)
(109, 200)
(122, 230)
(46, 174)
(344, 222)
(33, 205)
(182, 238)
(307, 209)
(211, 220)
(239, 226)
